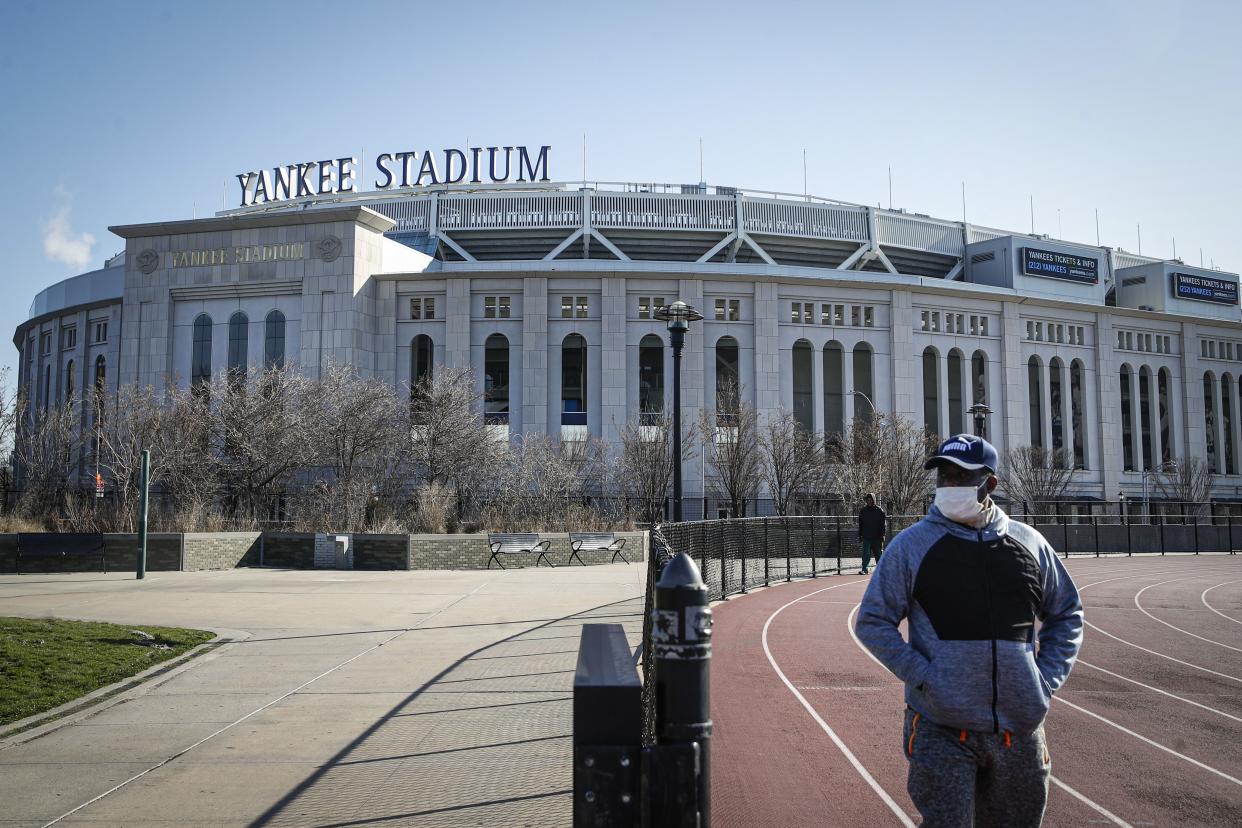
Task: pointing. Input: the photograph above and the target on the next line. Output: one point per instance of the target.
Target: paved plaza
(341, 698)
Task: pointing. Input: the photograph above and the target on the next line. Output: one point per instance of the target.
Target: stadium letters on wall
(1204, 288)
(1059, 266)
(394, 169)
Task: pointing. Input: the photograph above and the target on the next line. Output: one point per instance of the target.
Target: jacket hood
(997, 525)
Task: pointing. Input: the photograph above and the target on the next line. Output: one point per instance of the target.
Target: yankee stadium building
(549, 290)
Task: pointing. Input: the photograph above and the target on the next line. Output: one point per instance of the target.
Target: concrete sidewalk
(428, 698)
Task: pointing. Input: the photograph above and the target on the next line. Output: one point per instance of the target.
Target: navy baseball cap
(965, 450)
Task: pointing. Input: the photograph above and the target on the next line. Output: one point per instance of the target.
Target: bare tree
(903, 446)
(358, 438)
(1188, 481)
(731, 449)
(142, 419)
(645, 465)
(792, 460)
(48, 447)
(10, 405)
(854, 465)
(1035, 475)
(447, 442)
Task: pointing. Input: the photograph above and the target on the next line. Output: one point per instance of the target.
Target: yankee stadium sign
(472, 165)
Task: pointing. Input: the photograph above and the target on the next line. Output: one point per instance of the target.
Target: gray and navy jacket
(972, 597)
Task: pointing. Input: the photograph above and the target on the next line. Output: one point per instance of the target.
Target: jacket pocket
(1024, 696)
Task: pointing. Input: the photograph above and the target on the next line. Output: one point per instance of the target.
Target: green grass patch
(47, 662)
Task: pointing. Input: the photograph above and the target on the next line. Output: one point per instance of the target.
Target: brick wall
(120, 553)
(220, 550)
(472, 552)
(379, 551)
(289, 550)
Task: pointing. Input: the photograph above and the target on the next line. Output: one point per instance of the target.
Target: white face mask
(960, 503)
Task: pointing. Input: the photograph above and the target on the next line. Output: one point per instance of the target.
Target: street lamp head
(678, 315)
(979, 410)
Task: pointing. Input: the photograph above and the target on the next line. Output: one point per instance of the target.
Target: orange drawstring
(961, 737)
(1008, 739)
(914, 727)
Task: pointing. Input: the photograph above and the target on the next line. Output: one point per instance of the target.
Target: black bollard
(681, 644)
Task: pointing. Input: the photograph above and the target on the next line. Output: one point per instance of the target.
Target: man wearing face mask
(972, 582)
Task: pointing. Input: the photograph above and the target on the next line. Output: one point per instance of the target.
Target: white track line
(1171, 626)
(849, 622)
(1203, 598)
(180, 753)
(836, 740)
(1162, 655)
(1151, 742)
(1161, 692)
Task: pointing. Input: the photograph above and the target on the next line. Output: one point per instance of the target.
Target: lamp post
(979, 411)
(865, 397)
(1170, 466)
(678, 316)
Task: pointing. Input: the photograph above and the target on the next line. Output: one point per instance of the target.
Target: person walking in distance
(972, 583)
(871, 520)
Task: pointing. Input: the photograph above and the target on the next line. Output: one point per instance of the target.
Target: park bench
(595, 542)
(517, 544)
(60, 545)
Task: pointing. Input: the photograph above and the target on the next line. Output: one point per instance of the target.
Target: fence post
(1196, 525)
(723, 571)
(838, 545)
(767, 550)
(814, 573)
(607, 729)
(681, 642)
(788, 555)
(703, 552)
(745, 554)
(1095, 524)
(1129, 543)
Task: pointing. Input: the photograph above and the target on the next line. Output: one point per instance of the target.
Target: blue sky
(120, 112)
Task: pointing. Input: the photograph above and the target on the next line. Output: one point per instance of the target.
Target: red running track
(1146, 732)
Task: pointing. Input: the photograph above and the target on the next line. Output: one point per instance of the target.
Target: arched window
(573, 381)
(1209, 420)
(69, 380)
(1035, 396)
(864, 382)
(200, 354)
(239, 328)
(100, 386)
(422, 353)
(650, 379)
(274, 340)
(979, 382)
(1166, 432)
(834, 399)
(728, 381)
(496, 380)
(803, 386)
(1077, 407)
(1056, 400)
(931, 390)
(1144, 418)
(47, 385)
(1226, 418)
(957, 408)
(1127, 422)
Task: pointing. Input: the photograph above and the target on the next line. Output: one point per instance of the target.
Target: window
(979, 381)
(239, 328)
(47, 384)
(101, 383)
(1226, 416)
(728, 381)
(45, 343)
(855, 316)
(925, 321)
(868, 317)
(567, 307)
(974, 325)
(935, 319)
(1127, 424)
(1162, 411)
(959, 326)
(838, 314)
(574, 307)
(1144, 418)
(983, 326)
(1035, 398)
(808, 313)
(200, 354)
(802, 313)
(101, 331)
(795, 315)
(956, 406)
(422, 367)
(573, 381)
(825, 314)
(496, 307)
(423, 307)
(496, 380)
(69, 380)
(729, 310)
(931, 390)
(803, 386)
(1209, 420)
(1121, 339)
(647, 306)
(68, 338)
(1077, 408)
(863, 382)
(274, 340)
(834, 392)
(650, 379)
(1055, 402)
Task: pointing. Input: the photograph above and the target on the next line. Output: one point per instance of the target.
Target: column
(613, 378)
(535, 356)
(1236, 426)
(817, 382)
(1153, 409)
(1136, 421)
(1067, 413)
(1045, 404)
(968, 392)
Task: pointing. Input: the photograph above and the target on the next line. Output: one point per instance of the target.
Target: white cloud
(61, 244)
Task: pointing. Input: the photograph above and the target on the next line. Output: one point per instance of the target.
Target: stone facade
(221, 550)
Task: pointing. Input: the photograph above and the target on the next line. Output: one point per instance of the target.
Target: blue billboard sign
(1054, 265)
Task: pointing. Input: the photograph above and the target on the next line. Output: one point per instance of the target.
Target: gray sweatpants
(961, 778)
